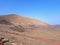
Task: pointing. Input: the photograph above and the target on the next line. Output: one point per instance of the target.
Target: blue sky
(45, 10)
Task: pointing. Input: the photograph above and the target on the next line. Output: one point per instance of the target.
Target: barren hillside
(26, 31)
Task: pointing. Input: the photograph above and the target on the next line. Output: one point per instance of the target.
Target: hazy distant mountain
(57, 25)
(26, 31)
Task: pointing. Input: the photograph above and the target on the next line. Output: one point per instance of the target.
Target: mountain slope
(28, 31)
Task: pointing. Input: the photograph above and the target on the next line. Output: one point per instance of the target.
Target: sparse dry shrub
(5, 22)
(17, 29)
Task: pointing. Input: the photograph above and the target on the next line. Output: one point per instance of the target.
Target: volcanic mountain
(27, 31)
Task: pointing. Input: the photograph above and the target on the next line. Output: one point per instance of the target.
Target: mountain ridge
(27, 20)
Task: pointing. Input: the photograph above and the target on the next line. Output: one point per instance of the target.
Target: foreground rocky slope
(26, 31)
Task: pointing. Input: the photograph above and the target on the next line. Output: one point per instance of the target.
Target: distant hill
(57, 25)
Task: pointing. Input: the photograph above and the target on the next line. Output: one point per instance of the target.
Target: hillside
(27, 31)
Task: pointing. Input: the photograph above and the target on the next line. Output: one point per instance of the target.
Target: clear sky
(45, 10)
